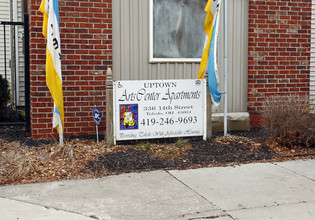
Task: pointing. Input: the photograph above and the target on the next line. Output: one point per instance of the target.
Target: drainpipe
(16, 54)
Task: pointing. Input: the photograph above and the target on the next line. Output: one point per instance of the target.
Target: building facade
(279, 51)
(269, 52)
(86, 46)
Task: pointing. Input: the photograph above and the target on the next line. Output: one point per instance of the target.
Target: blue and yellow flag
(209, 56)
(50, 10)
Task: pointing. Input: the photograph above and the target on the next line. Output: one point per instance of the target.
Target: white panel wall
(4, 16)
(20, 55)
(11, 10)
(131, 50)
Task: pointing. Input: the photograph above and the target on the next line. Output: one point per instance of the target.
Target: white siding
(312, 77)
(20, 56)
(131, 50)
(4, 16)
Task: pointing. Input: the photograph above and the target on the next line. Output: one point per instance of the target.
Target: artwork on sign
(128, 117)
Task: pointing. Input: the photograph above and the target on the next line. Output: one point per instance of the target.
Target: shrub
(288, 120)
(4, 91)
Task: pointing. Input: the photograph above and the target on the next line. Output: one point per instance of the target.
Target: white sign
(159, 109)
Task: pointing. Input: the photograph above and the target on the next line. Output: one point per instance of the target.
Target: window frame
(164, 60)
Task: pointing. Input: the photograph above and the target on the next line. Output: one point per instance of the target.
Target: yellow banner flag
(50, 10)
(211, 9)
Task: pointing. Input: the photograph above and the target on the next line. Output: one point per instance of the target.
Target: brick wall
(279, 51)
(279, 59)
(86, 46)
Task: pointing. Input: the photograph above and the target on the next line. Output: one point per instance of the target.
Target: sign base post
(109, 108)
(209, 109)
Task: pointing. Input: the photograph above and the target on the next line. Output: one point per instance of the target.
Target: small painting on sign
(129, 117)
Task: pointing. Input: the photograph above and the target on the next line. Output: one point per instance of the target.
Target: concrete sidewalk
(252, 191)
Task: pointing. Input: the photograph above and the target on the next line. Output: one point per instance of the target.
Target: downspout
(16, 54)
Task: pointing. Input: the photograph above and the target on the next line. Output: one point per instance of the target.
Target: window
(176, 30)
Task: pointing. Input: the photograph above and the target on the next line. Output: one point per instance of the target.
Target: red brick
(80, 21)
(285, 28)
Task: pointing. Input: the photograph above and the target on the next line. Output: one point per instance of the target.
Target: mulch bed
(24, 160)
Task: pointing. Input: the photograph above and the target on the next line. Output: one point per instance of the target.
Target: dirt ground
(24, 160)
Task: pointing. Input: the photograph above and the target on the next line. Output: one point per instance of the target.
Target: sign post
(97, 117)
(159, 109)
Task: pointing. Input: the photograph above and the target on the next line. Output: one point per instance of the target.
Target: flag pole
(225, 68)
(50, 10)
(60, 132)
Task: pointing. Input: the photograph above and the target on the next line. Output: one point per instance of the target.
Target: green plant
(181, 143)
(148, 146)
(288, 120)
(4, 91)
